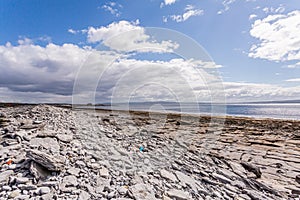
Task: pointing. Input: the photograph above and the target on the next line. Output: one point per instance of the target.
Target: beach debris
(141, 148)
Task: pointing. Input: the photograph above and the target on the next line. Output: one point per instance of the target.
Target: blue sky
(254, 43)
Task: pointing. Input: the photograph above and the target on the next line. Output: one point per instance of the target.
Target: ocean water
(255, 110)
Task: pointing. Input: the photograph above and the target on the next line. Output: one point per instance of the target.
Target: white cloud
(293, 80)
(226, 4)
(167, 2)
(259, 92)
(279, 37)
(252, 16)
(273, 10)
(113, 8)
(32, 73)
(72, 31)
(128, 36)
(190, 11)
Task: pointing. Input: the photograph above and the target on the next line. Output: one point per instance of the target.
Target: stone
(22, 197)
(14, 194)
(43, 190)
(142, 191)
(6, 188)
(73, 171)
(84, 195)
(297, 179)
(27, 187)
(47, 143)
(38, 171)
(168, 175)
(103, 171)
(123, 190)
(186, 180)
(21, 180)
(64, 137)
(4, 176)
(48, 161)
(178, 194)
(70, 180)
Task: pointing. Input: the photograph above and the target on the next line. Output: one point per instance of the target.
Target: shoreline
(169, 112)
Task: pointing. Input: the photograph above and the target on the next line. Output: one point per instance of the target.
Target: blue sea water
(255, 110)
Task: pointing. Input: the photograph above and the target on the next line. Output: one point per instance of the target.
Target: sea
(280, 110)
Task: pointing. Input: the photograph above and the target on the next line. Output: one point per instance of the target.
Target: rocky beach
(55, 152)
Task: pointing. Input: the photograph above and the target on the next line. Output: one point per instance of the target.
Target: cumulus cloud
(189, 11)
(113, 8)
(127, 37)
(279, 37)
(49, 69)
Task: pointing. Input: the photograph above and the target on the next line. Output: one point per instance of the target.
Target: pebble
(103, 171)
(43, 190)
(21, 180)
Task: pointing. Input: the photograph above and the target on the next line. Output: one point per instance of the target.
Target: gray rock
(47, 143)
(49, 162)
(178, 194)
(186, 180)
(22, 180)
(6, 188)
(73, 171)
(64, 137)
(27, 187)
(142, 191)
(22, 197)
(4, 176)
(103, 171)
(43, 190)
(168, 175)
(14, 194)
(122, 190)
(84, 195)
(38, 171)
(70, 180)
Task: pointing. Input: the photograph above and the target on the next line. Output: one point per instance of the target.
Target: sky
(80, 51)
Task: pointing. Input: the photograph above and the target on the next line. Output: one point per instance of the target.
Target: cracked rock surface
(52, 152)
